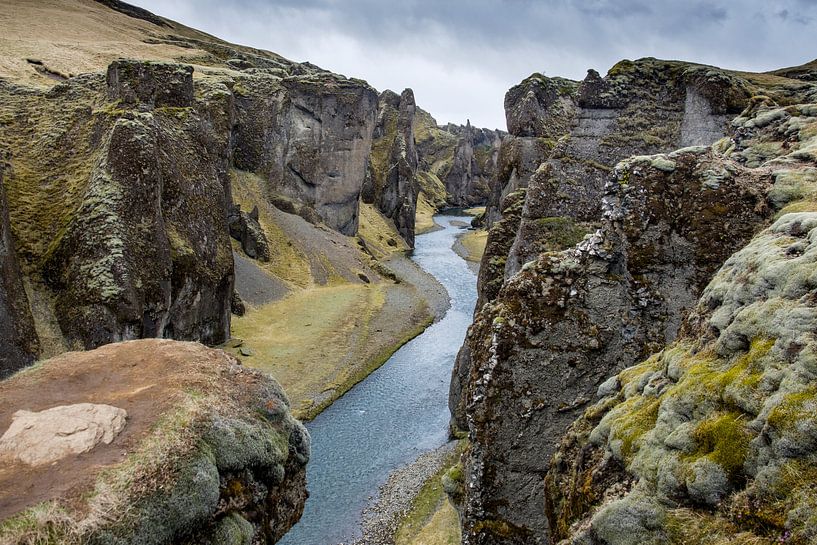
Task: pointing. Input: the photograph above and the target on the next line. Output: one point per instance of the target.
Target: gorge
(596, 328)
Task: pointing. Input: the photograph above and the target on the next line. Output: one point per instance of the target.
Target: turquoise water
(399, 412)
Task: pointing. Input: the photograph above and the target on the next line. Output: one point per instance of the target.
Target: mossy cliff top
(209, 450)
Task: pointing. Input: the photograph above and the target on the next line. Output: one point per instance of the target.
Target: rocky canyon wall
(593, 266)
(118, 187)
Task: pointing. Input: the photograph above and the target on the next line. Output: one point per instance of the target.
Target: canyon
(202, 244)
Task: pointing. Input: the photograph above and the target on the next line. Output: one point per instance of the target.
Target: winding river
(399, 412)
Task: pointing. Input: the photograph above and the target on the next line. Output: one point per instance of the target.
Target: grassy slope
(332, 330)
(432, 519)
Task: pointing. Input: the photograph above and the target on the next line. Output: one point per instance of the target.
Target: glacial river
(399, 412)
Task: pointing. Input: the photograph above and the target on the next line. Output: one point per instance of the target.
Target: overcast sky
(460, 56)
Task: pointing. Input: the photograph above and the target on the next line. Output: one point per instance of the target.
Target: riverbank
(411, 507)
(470, 246)
(320, 342)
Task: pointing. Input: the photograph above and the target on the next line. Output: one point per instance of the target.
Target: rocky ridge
(208, 452)
(560, 323)
(456, 161)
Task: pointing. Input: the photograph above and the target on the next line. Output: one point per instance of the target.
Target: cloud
(460, 56)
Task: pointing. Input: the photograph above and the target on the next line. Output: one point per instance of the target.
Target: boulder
(39, 438)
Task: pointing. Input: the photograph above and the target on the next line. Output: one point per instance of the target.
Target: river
(399, 412)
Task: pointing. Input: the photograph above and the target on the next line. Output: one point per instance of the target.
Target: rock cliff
(18, 339)
(195, 449)
(473, 165)
(709, 439)
(119, 192)
(391, 180)
(553, 325)
(457, 162)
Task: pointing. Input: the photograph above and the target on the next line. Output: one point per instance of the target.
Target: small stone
(244, 351)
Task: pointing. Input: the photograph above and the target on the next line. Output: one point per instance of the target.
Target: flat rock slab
(40, 438)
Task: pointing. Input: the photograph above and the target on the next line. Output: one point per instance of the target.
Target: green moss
(171, 111)
(689, 527)
(630, 374)
(794, 409)
(707, 376)
(431, 496)
(632, 420)
(499, 528)
(723, 439)
(560, 232)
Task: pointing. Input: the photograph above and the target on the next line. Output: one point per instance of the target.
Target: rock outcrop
(121, 205)
(244, 228)
(473, 164)
(310, 135)
(710, 439)
(208, 454)
(456, 162)
(18, 339)
(555, 324)
(391, 179)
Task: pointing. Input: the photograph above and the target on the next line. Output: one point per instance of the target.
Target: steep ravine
(396, 414)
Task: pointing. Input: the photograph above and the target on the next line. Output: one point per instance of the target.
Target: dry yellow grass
(474, 244)
(475, 211)
(310, 340)
(442, 529)
(379, 232)
(424, 217)
(432, 519)
(77, 36)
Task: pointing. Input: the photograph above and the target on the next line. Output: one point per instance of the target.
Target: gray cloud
(460, 56)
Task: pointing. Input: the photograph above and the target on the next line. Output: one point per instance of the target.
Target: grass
(432, 520)
(309, 340)
(474, 244)
(287, 261)
(424, 217)
(320, 342)
(379, 232)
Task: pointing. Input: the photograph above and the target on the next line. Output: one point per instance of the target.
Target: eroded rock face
(567, 320)
(391, 179)
(565, 138)
(702, 441)
(474, 164)
(623, 294)
(18, 340)
(310, 135)
(121, 195)
(147, 253)
(209, 451)
(39, 438)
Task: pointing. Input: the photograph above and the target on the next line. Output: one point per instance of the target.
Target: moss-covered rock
(212, 456)
(18, 339)
(727, 452)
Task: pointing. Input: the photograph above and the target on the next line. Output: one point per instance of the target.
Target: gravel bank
(382, 517)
